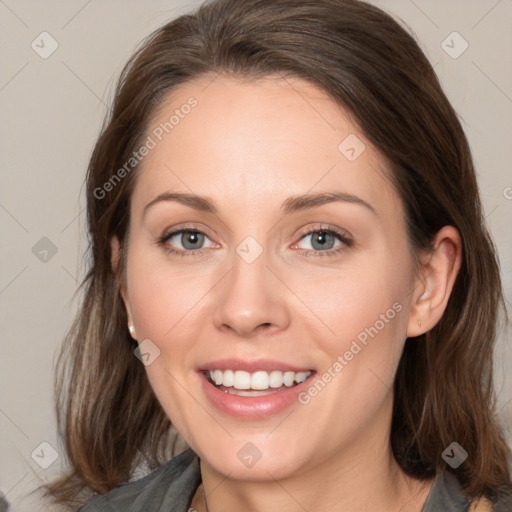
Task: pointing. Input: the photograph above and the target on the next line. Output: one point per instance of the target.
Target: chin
(254, 457)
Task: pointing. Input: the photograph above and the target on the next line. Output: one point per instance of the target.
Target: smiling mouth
(259, 383)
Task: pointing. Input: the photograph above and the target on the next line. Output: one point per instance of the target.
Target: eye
(324, 242)
(184, 240)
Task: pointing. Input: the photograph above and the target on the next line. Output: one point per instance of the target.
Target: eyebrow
(290, 205)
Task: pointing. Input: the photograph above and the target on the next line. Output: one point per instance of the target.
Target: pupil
(191, 239)
(323, 238)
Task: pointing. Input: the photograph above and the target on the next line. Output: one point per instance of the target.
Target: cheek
(368, 296)
(366, 311)
(163, 297)
(166, 304)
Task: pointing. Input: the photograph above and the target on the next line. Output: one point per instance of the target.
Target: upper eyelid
(173, 231)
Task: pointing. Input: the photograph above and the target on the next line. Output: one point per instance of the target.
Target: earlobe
(439, 269)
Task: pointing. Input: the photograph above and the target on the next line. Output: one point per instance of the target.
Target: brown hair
(108, 415)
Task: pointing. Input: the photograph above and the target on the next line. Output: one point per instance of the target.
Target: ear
(115, 256)
(438, 271)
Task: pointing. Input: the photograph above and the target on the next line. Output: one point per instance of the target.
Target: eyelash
(342, 237)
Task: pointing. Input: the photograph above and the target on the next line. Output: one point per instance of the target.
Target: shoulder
(447, 495)
(169, 487)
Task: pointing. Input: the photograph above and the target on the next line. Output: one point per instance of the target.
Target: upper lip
(252, 366)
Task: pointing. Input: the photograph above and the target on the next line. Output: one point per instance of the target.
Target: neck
(367, 481)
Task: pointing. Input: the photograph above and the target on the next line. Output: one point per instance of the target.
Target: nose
(251, 300)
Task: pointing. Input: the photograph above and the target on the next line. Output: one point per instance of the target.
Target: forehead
(252, 141)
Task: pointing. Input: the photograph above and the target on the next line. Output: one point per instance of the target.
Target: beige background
(51, 110)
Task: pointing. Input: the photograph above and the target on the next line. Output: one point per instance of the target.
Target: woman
(289, 265)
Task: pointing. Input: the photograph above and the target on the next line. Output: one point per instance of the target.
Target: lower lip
(252, 407)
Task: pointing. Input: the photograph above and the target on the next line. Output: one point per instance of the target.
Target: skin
(249, 145)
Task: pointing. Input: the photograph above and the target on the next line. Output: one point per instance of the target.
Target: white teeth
(289, 378)
(276, 379)
(301, 377)
(217, 377)
(242, 380)
(259, 380)
(228, 378)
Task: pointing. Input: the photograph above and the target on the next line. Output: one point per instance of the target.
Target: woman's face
(255, 297)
